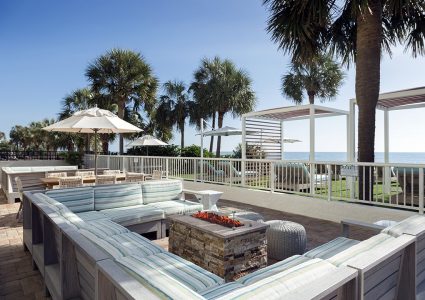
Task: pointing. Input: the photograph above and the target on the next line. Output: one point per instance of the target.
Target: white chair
(157, 175)
(85, 173)
(71, 181)
(106, 179)
(20, 189)
(111, 172)
(134, 177)
(55, 174)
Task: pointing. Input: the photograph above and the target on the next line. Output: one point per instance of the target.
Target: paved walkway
(17, 278)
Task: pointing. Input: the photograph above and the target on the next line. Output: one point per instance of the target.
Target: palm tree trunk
(105, 143)
(310, 97)
(220, 124)
(212, 137)
(87, 143)
(182, 135)
(368, 60)
(121, 106)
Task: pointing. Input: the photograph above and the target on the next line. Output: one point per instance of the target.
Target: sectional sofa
(85, 244)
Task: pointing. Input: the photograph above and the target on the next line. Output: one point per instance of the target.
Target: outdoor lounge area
(86, 243)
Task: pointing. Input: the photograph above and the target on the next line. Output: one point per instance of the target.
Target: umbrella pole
(95, 152)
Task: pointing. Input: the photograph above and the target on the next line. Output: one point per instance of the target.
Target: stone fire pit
(226, 252)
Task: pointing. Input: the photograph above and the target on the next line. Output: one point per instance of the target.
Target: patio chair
(296, 177)
(111, 172)
(408, 179)
(209, 172)
(84, 173)
(106, 179)
(157, 175)
(56, 174)
(71, 181)
(20, 191)
(134, 177)
(232, 174)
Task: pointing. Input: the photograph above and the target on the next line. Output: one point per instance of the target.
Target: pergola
(397, 100)
(271, 122)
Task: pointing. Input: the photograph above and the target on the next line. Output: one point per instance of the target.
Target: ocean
(395, 157)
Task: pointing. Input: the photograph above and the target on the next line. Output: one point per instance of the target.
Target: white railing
(392, 185)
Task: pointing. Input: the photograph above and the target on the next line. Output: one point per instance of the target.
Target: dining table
(50, 182)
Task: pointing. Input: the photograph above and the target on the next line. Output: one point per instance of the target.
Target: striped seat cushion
(272, 269)
(118, 195)
(123, 244)
(104, 228)
(163, 190)
(177, 207)
(92, 216)
(342, 257)
(158, 282)
(76, 199)
(413, 224)
(331, 248)
(220, 290)
(130, 215)
(185, 272)
(276, 286)
(55, 205)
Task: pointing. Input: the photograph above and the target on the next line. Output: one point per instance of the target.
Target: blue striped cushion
(272, 269)
(163, 190)
(123, 244)
(158, 282)
(276, 286)
(220, 290)
(366, 245)
(187, 273)
(92, 215)
(177, 207)
(76, 199)
(130, 215)
(104, 228)
(53, 204)
(331, 248)
(118, 195)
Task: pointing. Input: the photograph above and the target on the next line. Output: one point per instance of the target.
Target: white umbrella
(93, 120)
(226, 131)
(147, 140)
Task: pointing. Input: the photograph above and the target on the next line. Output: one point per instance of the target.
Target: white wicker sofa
(82, 253)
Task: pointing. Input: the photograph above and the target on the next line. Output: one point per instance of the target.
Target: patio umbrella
(93, 120)
(226, 131)
(147, 140)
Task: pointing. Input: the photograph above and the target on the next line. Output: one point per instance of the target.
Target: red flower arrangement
(217, 219)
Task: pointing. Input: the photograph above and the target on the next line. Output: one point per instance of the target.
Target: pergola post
(351, 150)
(282, 138)
(243, 148)
(387, 170)
(312, 146)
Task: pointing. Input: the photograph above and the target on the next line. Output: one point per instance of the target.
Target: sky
(45, 47)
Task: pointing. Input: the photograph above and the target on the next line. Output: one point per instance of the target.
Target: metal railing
(391, 185)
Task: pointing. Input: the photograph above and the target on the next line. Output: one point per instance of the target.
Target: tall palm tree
(174, 107)
(319, 78)
(358, 31)
(225, 88)
(125, 77)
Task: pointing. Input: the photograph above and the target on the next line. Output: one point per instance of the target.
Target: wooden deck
(19, 281)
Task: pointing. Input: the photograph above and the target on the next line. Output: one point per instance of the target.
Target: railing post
(230, 172)
(109, 161)
(329, 177)
(272, 177)
(421, 191)
(166, 168)
(195, 173)
(243, 171)
(312, 177)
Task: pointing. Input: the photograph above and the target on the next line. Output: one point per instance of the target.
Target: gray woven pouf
(285, 239)
(250, 215)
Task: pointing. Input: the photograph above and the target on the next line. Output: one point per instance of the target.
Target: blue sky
(47, 45)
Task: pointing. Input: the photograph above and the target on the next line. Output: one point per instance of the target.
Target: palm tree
(174, 107)
(319, 78)
(358, 31)
(224, 88)
(125, 77)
